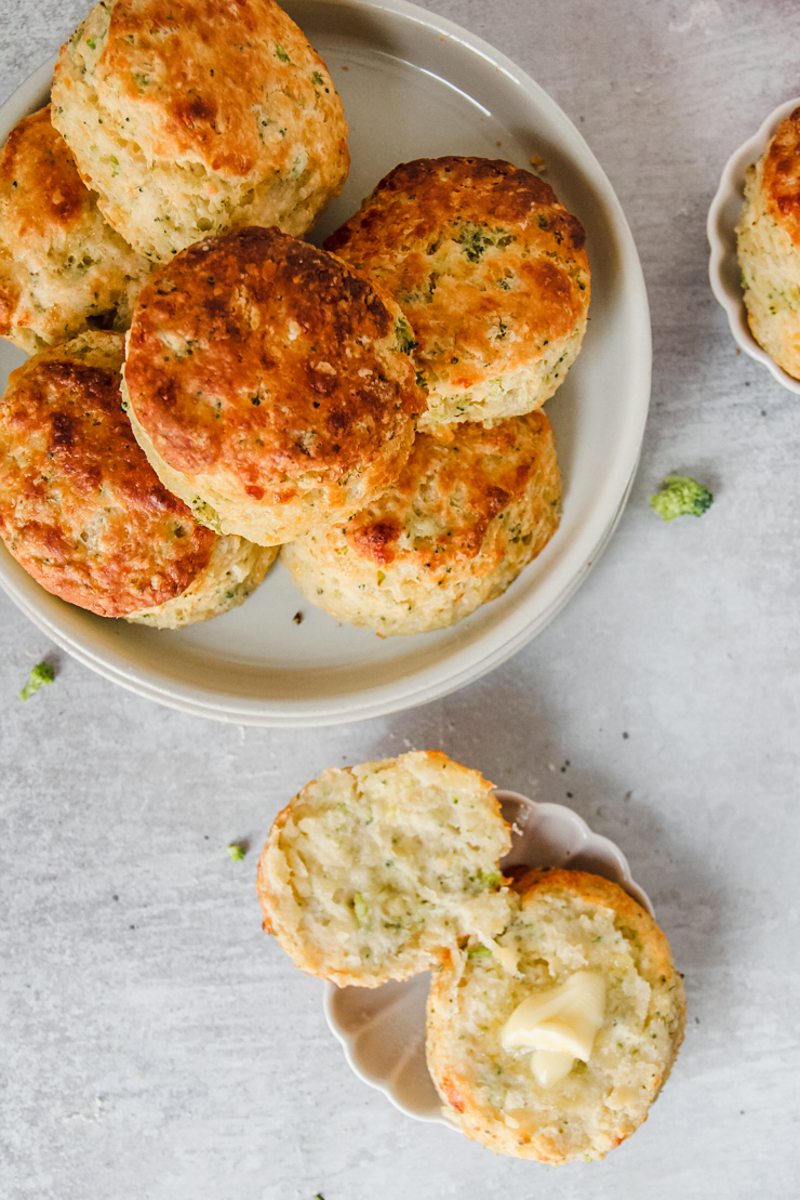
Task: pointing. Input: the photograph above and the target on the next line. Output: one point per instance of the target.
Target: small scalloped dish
(382, 1030)
(724, 271)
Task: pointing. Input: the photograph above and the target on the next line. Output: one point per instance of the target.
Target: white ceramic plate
(382, 1030)
(413, 85)
(724, 271)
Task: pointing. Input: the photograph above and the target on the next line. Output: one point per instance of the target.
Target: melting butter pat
(559, 1025)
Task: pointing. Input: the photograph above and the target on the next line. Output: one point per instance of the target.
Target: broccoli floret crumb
(41, 674)
(237, 851)
(489, 879)
(479, 952)
(360, 909)
(681, 496)
(475, 238)
(404, 336)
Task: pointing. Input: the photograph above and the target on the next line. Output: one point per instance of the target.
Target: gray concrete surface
(154, 1045)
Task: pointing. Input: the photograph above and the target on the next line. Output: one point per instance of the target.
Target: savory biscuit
(372, 871)
(269, 385)
(491, 271)
(82, 511)
(768, 243)
(62, 267)
(194, 118)
(459, 525)
(566, 922)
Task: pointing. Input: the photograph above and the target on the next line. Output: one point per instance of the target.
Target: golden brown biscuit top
(80, 507)
(265, 359)
(449, 491)
(40, 188)
(211, 78)
(488, 265)
(781, 179)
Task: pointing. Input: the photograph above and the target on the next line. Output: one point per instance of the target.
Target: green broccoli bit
(204, 514)
(41, 674)
(281, 54)
(360, 909)
(681, 496)
(237, 851)
(479, 952)
(489, 878)
(316, 78)
(475, 239)
(404, 336)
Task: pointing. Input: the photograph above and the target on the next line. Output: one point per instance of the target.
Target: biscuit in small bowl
(191, 119)
(269, 385)
(82, 511)
(559, 1058)
(768, 246)
(464, 518)
(492, 273)
(63, 269)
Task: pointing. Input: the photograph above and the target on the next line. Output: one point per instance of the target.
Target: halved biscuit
(565, 922)
(371, 871)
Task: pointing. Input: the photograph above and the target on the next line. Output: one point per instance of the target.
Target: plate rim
(464, 665)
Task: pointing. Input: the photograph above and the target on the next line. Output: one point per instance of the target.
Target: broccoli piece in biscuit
(681, 496)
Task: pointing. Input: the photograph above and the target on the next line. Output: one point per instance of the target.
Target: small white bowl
(382, 1030)
(724, 271)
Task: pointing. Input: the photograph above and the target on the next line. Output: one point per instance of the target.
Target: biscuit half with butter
(373, 871)
(556, 1048)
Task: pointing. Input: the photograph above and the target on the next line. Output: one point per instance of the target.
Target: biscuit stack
(373, 407)
(163, 127)
(492, 275)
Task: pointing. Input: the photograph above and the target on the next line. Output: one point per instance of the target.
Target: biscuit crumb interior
(598, 1103)
(372, 870)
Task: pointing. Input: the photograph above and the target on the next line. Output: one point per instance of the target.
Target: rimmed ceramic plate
(382, 1030)
(724, 271)
(413, 85)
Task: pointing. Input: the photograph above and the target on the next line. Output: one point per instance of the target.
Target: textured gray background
(154, 1045)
